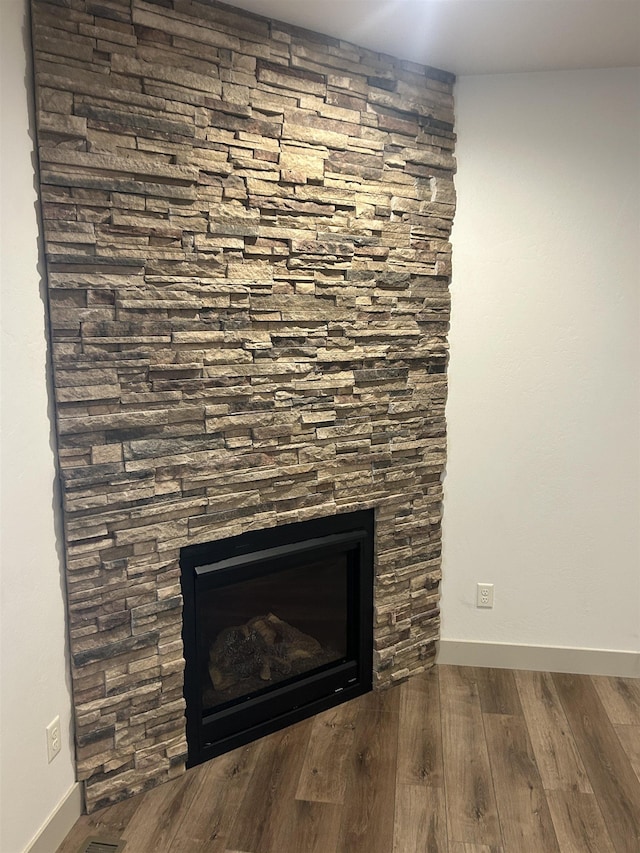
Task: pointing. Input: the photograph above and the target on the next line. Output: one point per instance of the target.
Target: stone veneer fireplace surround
(247, 239)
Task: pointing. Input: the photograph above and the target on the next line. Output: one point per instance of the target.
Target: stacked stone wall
(247, 242)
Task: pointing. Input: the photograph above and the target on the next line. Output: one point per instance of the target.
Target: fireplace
(246, 230)
(277, 626)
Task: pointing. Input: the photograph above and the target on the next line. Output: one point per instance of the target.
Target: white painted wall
(542, 493)
(33, 681)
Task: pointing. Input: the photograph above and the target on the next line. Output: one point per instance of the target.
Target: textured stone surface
(246, 231)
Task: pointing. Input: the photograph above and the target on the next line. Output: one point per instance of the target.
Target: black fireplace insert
(278, 625)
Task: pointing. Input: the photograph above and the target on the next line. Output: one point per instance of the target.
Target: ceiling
(476, 36)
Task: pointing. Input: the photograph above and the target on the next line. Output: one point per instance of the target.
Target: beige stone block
(102, 454)
(64, 125)
(180, 25)
(301, 160)
(55, 101)
(156, 71)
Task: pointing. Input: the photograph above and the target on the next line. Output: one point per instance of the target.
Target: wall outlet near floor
(484, 595)
(53, 739)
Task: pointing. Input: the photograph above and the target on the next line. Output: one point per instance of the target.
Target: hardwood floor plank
(420, 824)
(578, 823)
(420, 747)
(154, 825)
(461, 847)
(308, 827)
(554, 747)
(271, 790)
(524, 814)
(498, 691)
(323, 777)
(629, 737)
(368, 811)
(621, 699)
(472, 814)
(205, 826)
(387, 700)
(610, 773)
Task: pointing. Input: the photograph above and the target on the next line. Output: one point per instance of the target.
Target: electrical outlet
(484, 595)
(53, 739)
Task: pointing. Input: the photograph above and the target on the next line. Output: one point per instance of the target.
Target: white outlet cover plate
(53, 739)
(484, 595)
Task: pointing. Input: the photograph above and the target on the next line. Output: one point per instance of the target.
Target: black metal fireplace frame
(256, 552)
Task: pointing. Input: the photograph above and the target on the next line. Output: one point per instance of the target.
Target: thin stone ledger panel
(247, 241)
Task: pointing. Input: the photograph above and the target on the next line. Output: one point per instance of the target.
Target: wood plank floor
(459, 760)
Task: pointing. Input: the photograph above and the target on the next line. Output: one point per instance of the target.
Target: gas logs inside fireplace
(245, 658)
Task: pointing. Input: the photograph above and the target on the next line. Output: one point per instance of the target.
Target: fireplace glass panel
(263, 631)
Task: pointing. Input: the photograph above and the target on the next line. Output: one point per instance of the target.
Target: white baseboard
(59, 822)
(540, 658)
